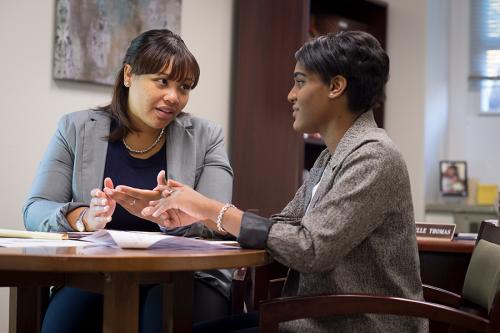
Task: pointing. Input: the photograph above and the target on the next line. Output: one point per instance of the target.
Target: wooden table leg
(26, 308)
(121, 303)
(178, 303)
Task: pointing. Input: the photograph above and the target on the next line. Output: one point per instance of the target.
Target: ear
(127, 73)
(338, 84)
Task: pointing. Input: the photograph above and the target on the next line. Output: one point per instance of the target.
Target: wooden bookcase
(268, 156)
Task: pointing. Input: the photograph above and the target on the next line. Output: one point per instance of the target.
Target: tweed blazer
(358, 235)
(74, 164)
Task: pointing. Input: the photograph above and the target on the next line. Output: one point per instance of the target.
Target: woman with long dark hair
(142, 131)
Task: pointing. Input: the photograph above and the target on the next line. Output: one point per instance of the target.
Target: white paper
(26, 242)
(148, 240)
(466, 236)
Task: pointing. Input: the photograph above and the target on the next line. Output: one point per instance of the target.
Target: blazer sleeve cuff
(254, 231)
(61, 221)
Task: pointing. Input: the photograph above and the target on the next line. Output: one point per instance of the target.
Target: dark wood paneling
(444, 270)
(444, 264)
(372, 18)
(27, 308)
(268, 157)
(266, 153)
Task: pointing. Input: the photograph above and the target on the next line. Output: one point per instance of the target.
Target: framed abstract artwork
(91, 36)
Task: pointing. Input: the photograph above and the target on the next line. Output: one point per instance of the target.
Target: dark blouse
(124, 169)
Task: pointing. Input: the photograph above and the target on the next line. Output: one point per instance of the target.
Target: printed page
(147, 240)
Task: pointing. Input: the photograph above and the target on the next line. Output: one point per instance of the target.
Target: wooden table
(444, 264)
(115, 273)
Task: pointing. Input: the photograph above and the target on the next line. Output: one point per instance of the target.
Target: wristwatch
(80, 226)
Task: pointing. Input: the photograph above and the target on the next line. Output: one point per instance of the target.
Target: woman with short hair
(350, 227)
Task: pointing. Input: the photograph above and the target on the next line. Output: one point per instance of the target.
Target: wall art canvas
(92, 36)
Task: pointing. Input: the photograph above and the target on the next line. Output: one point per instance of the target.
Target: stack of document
(148, 240)
(465, 236)
(23, 238)
(10, 233)
(113, 238)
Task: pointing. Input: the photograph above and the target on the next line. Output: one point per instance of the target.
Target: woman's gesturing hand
(101, 208)
(176, 196)
(135, 200)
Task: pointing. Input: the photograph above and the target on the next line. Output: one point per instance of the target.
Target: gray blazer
(75, 159)
(358, 235)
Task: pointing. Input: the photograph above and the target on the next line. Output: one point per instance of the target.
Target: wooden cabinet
(268, 156)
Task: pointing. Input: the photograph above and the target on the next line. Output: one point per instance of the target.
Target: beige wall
(31, 102)
(406, 99)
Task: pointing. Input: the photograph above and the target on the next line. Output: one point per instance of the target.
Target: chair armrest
(441, 296)
(291, 308)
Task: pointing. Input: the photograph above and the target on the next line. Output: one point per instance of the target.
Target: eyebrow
(167, 75)
(295, 74)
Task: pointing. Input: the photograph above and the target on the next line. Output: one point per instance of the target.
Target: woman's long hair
(149, 53)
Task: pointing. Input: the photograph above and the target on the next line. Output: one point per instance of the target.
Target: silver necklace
(143, 151)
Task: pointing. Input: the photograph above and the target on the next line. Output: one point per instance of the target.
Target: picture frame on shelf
(453, 178)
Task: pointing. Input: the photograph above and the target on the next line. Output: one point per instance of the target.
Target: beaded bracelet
(221, 215)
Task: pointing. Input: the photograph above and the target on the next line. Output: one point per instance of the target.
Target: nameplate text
(435, 231)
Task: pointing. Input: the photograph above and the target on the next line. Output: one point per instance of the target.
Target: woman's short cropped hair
(355, 55)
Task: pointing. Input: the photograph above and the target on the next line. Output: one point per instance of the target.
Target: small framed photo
(453, 178)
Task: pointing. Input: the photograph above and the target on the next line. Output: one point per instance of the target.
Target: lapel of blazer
(94, 152)
(314, 177)
(351, 139)
(181, 150)
(325, 175)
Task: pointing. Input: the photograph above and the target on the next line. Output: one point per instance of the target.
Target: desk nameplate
(435, 231)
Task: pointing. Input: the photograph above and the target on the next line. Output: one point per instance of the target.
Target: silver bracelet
(221, 215)
(79, 224)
